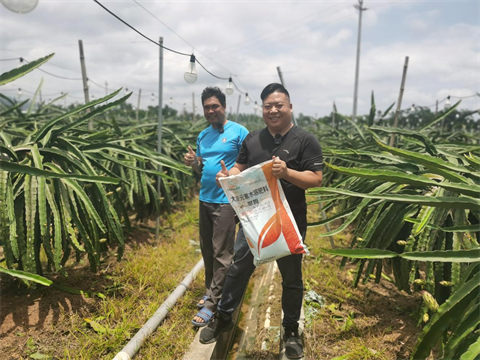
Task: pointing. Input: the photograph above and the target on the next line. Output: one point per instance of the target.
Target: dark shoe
(293, 344)
(217, 326)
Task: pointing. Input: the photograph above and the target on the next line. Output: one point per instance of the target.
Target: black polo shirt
(298, 148)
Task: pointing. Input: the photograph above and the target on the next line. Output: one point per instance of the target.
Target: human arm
(303, 179)
(191, 159)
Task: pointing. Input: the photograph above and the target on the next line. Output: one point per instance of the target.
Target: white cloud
(339, 38)
(314, 43)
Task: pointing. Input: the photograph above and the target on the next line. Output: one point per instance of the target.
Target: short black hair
(271, 88)
(214, 91)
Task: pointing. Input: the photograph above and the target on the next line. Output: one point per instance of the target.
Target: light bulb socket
(190, 75)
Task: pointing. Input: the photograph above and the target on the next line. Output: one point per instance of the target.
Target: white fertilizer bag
(258, 199)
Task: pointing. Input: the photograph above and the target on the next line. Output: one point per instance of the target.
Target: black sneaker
(217, 326)
(293, 344)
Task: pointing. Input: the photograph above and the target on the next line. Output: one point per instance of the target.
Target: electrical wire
(204, 68)
(309, 29)
(451, 96)
(161, 22)
(85, 43)
(175, 101)
(94, 83)
(46, 72)
(257, 40)
(43, 95)
(146, 37)
(116, 85)
(33, 92)
(236, 87)
(464, 97)
(173, 31)
(164, 47)
(58, 76)
(10, 59)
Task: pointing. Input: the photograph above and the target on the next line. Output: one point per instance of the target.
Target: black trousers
(242, 268)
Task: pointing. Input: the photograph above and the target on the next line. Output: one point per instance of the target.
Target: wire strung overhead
(464, 97)
(146, 37)
(10, 59)
(452, 96)
(90, 80)
(184, 40)
(191, 74)
(46, 72)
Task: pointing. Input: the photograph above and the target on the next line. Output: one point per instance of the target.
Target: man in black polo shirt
(298, 164)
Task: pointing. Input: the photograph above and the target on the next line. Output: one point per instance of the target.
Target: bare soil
(31, 319)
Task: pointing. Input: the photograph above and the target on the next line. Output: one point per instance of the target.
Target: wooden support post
(399, 103)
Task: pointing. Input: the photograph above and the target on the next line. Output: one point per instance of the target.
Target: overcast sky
(313, 42)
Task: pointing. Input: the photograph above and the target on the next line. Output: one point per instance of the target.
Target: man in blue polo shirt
(220, 141)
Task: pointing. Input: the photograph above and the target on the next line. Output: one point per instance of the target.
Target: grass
(135, 288)
(362, 352)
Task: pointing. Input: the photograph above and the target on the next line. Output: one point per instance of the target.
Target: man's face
(214, 111)
(277, 112)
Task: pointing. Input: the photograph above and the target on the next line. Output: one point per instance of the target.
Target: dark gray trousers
(217, 238)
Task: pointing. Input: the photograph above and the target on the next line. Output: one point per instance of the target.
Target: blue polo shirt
(213, 146)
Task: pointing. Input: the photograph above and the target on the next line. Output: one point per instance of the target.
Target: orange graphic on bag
(280, 222)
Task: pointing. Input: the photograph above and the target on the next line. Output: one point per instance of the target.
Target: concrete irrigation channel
(257, 322)
(257, 330)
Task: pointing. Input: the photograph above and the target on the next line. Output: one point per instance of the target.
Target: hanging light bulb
(247, 99)
(190, 75)
(255, 107)
(412, 109)
(19, 92)
(171, 101)
(229, 88)
(126, 90)
(153, 97)
(447, 103)
(457, 116)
